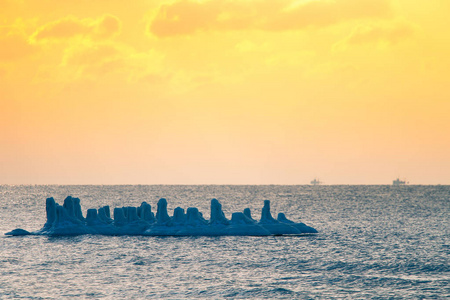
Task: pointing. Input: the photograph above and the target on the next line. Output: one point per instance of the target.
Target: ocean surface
(374, 242)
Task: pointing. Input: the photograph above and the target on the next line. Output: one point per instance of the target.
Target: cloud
(186, 17)
(385, 33)
(79, 49)
(391, 33)
(69, 27)
(325, 13)
(107, 26)
(14, 45)
(92, 54)
(95, 60)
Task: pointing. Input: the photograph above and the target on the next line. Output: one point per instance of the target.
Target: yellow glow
(215, 91)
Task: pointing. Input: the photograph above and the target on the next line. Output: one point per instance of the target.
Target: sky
(224, 91)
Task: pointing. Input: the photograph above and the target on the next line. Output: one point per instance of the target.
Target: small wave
(262, 293)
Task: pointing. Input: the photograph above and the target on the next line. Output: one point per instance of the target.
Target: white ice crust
(67, 220)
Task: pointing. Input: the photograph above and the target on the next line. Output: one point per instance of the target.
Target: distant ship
(399, 182)
(316, 181)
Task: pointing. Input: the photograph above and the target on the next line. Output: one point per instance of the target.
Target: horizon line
(222, 184)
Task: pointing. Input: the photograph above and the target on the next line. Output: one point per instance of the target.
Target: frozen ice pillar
(162, 217)
(68, 205)
(145, 212)
(50, 207)
(217, 215)
(266, 216)
(179, 217)
(119, 217)
(92, 218)
(194, 217)
(282, 218)
(248, 214)
(77, 209)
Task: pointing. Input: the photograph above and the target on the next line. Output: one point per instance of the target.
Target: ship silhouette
(399, 182)
(316, 181)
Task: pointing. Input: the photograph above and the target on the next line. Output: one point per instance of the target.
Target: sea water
(374, 242)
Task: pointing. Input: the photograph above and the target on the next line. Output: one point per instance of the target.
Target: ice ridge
(68, 220)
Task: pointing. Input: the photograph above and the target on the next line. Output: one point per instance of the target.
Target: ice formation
(68, 220)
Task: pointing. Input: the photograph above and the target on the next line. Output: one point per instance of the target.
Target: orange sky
(224, 92)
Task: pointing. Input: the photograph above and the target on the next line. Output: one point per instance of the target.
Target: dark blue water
(375, 242)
